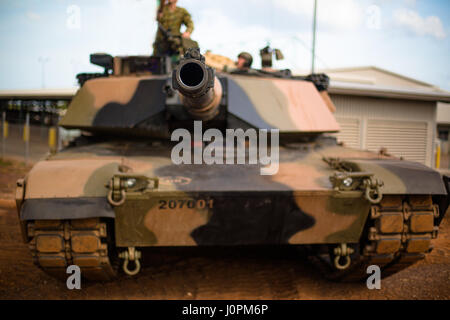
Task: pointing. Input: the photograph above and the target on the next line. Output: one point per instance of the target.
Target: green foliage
(5, 163)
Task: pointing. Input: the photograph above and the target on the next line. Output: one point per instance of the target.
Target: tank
(194, 157)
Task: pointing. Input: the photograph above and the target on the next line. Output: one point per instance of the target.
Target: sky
(45, 43)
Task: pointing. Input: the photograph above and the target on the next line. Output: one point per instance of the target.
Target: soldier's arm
(187, 20)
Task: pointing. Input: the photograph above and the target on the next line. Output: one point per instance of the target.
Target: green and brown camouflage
(173, 20)
(168, 40)
(324, 195)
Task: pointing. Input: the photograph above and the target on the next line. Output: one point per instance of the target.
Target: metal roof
(38, 94)
(360, 89)
(365, 68)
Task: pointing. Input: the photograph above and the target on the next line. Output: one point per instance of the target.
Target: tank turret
(139, 97)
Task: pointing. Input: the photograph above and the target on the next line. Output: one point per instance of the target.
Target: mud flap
(70, 208)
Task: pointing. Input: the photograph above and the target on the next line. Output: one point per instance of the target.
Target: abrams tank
(193, 157)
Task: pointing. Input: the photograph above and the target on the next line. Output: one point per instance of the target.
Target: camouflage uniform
(171, 21)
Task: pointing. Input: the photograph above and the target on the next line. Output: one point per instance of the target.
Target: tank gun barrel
(200, 90)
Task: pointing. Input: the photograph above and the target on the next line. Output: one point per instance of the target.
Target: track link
(56, 244)
(398, 233)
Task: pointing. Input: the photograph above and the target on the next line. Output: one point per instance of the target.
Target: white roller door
(407, 139)
(350, 132)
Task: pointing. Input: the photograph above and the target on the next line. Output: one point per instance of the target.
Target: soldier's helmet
(247, 57)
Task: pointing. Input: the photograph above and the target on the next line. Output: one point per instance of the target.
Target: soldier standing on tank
(170, 18)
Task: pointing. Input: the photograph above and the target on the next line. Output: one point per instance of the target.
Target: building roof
(377, 82)
(38, 94)
(339, 87)
(375, 76)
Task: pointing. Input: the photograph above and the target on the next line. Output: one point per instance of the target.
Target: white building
(380, 109)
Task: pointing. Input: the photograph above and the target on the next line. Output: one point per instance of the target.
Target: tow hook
(342, 252)
(120, 184)
(372, 190)
(131, 255)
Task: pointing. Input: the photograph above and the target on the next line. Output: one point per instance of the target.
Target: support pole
(314, 38)
(60, 136)
(26, 137)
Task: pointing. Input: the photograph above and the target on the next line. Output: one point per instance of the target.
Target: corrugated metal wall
(405, 127)
(350, 132)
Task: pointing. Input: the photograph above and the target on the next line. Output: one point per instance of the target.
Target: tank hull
(195, 205)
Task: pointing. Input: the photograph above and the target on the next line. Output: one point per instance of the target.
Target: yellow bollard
(52, 139)
(5, 130)
(438, 156)
(26, 133)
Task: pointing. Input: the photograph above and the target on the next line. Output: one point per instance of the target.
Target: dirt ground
(222, 274)
(10, 171)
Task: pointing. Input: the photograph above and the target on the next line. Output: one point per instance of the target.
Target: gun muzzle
(200, 90)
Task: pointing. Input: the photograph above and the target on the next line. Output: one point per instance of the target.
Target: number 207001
(185, 204)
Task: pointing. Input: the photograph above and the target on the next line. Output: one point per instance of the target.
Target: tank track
(398, 233)
(57, 244)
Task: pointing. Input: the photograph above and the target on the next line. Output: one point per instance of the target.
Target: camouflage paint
(122, 102)
(298, 205)
(289, 207)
